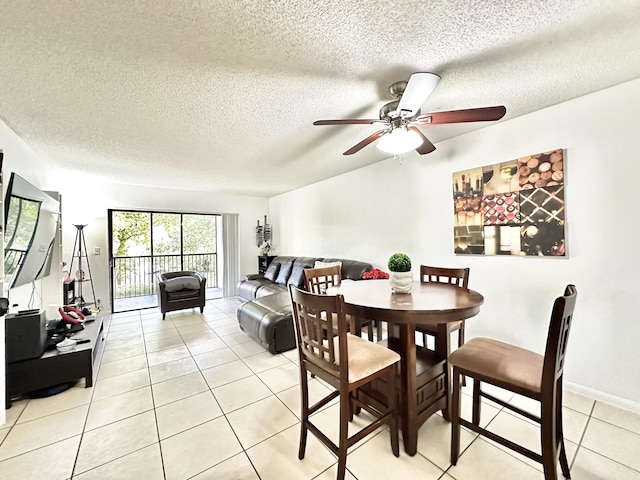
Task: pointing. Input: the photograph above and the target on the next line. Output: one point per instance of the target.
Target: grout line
(584, 432)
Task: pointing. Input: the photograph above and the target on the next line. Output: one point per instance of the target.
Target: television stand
(55, 367)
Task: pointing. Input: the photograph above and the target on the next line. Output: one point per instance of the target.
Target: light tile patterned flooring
(194, 397)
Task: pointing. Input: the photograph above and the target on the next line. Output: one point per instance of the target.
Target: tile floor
(194, 397)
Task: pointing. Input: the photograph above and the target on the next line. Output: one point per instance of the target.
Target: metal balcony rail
(135, 276)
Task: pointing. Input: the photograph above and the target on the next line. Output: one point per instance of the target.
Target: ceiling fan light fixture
(400, 140)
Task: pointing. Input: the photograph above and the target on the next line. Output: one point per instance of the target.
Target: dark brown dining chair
(346, 362)
(456, 277)
(318, 280)
(523, 372)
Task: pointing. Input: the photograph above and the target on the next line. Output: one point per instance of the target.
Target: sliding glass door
(145, 243)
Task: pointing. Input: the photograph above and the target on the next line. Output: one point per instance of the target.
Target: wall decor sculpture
(511, 208)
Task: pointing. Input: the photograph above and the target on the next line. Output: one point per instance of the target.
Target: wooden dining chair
(456, 277)
(523, 372)
(346, 362)
(318, 280)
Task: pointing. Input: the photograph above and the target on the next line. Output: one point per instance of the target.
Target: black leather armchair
(179, 290)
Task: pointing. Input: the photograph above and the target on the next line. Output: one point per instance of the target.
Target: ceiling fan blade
(484, 114)
(427, 146)
(365, 142)
(350, 121)
(419, 87)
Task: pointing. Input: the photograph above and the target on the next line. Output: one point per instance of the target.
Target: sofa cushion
(272, 272)
(248, 289)
(285, 271)
(181, 283)
(269, 321)
(269, 288)
(297, 274)
(320, 264)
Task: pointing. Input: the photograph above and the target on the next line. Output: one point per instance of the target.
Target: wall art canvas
(511, 208)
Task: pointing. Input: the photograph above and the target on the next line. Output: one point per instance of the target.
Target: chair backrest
(557, 338)
(451, 276)
(314, 315)
(317, 280)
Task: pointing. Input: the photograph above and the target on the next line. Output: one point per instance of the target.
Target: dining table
(425, 377)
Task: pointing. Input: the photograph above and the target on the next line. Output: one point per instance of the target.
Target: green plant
(399, 262)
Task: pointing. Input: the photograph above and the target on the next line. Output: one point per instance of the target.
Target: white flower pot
(401, 282)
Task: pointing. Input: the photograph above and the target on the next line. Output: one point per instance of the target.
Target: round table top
(426, 303)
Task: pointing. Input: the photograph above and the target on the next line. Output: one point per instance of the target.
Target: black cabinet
(55, 367)
(263, 262)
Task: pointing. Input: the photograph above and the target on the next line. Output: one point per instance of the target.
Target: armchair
(179, 290)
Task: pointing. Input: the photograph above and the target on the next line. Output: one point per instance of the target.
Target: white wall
(407, 206)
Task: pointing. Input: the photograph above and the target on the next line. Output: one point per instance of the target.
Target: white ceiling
(220, 95)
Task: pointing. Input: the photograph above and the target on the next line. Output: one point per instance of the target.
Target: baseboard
(604, 397)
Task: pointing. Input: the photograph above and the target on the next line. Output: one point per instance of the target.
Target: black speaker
(25, 335)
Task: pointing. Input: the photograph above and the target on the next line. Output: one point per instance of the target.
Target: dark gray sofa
(266, 315)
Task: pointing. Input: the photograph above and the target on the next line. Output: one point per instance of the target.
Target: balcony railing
(135, 276)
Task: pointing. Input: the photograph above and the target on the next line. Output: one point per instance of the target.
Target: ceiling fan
(402, 117)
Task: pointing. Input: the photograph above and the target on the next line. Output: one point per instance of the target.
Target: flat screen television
(30, 224)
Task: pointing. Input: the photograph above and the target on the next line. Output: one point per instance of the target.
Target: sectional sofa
(266, 315)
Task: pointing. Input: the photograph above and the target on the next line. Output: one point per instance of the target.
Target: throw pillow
(176, 284)
(319, 264)
(285, 271)
(272, 272)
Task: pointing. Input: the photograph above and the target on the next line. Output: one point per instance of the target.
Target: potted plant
(401, 278)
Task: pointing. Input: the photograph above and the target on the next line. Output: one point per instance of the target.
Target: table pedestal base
(429, 393)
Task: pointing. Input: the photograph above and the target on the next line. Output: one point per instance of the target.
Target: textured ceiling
(220, 95)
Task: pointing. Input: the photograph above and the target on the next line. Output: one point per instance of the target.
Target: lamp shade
(400, 140)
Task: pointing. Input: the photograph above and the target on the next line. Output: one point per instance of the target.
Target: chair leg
(164, 316)
(460, 343)
(345, 411)
(549, 439)
(475, 416)
(202, 309)
(304, 414)
(392, 395)
(370, 331)
(564, 464)
(455, 418)
(352, 404)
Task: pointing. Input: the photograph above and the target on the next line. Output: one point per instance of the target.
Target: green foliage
(199, 233)
(131, 229)
(166, 233)
(22, 219)
(399, 262)
(132, 233)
